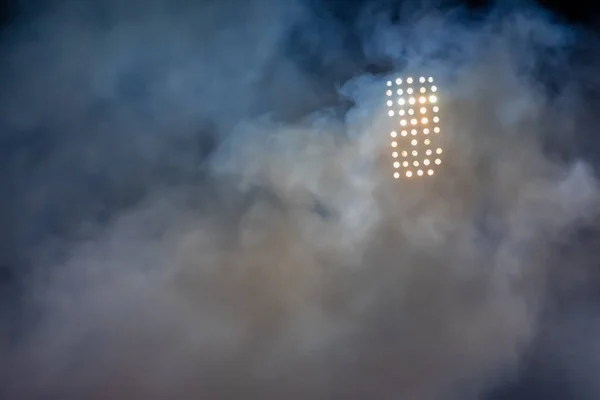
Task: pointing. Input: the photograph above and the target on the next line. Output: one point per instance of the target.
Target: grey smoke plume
(200, 220)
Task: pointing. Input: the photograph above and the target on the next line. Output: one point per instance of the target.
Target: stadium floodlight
(413, 105)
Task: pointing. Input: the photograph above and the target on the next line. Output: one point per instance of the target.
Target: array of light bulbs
(413, 104)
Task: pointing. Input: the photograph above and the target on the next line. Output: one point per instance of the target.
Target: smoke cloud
(197, 202)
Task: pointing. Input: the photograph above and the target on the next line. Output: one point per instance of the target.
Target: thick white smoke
(285, 263)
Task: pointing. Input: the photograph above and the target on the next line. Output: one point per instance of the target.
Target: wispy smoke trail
(199, 220)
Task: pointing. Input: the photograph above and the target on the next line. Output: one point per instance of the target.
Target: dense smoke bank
(203, 210)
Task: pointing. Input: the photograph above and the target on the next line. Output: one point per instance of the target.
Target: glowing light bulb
(403, 133)
(438, 161)
(398, 81)
(432, 99)
(430, 172)
(391, 113)
(420, 172)
(396, 175)
(393, 134)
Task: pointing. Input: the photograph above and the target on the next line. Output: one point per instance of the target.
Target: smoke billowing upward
(195, 203)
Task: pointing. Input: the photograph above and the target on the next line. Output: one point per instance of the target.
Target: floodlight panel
(413, 105)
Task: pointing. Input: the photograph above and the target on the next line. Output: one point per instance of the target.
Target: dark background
(541, 377)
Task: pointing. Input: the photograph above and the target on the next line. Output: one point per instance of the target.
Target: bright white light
(416, 163)
(424, 121)
(396, 164)
(401, 101)
(389, 83)
(420, 172)
(439, 151)
(395, 154)
(409, 90)
(404, 153)
(436, 109)
(403, 122)
(428, 152)
(398, 81)
(411, 111)
(426, 161)
(403, 133)
(393, 134)
(423, 110)
(411, 100)
(401, 113)
(430, 172)
(438, 161)
(390, 103)
(414, 142)
(415, 153)
(434, 89)
(436, 119)
(432, 99)
(394, 144)
(427, 142)
(409, 80)
(391, 113)
(405, 164)
(388, 92)
(408, 174)
(423, 90)
(430, 79)
(436, 129)
(422, 100)
(413, 121)
(396, 175)
(422, 79)
(426, 131)
(413, 132)
(399, 91)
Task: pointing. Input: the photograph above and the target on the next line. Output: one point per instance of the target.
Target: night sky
(193, 202)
